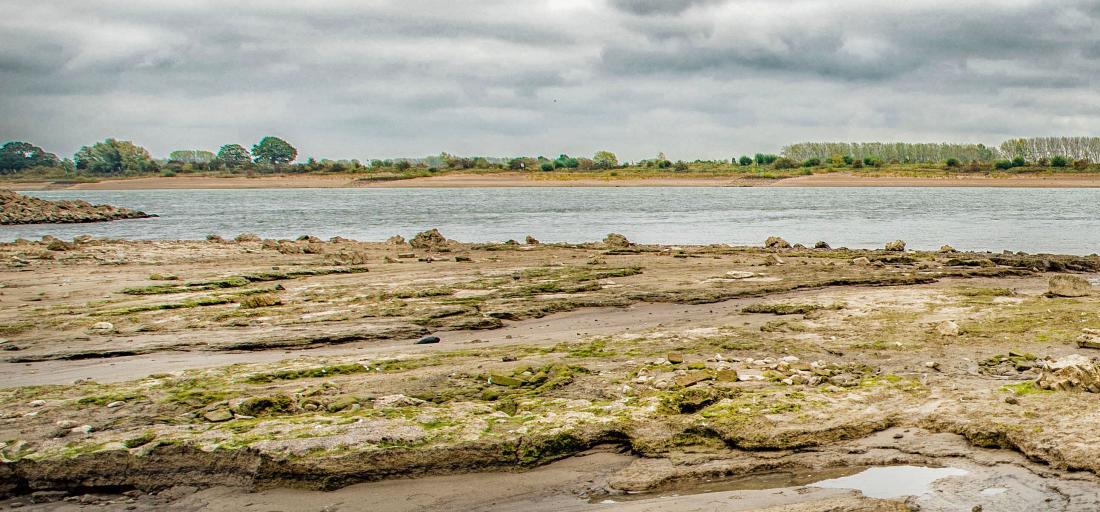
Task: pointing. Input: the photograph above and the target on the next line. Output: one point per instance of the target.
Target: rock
(947, 249)
(396, 240)
(431, 239)
(775, 242)
(772, 259)
(1089, 341)
(1074, 372)
(896, 246)
(397, 401)
(862, 260)
(407, 255)
(726, 375)
(932, 365)
(504, 380)
(690, 379)
(247, 237)
(19, 209)
(675, 357)
(531, 240)
(821, 245)
(616, 240)
(116, 404)
(1011, 400)
(218, 415)
(310, 239)
(845, 380)
(1064, 285)
(36, 403)
(341, 403)
(463, 259)
(103, 326)
(947, 328)
(427, 340)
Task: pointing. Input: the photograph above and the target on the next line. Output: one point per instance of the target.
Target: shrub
(848, 160)
(858, 164)
(680, 166)
(1081, 164)
(546, 167)
(745, 161)
(765, 159)
(1059, 161)
(952, 162)
(1003, 164)
(811, 162)
(664, 164)
(872, 161)
(784, 163)
(1019, 161)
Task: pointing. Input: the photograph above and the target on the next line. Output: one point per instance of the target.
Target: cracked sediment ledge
(188, 364)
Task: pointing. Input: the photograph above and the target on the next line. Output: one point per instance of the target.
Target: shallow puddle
(891, 481)
(873, 482)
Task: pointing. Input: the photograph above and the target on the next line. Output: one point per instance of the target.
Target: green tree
(274, 151)
(114, 157)
(234, 155)
(1059, 161)
(191, 156)
(16, 156)
(605, 160)
(745, 160)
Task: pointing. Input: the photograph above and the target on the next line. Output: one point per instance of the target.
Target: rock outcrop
(896, 246)
(1063, 285)
(431, 239)
(1074, 372)
(775, 242)
(19, 209)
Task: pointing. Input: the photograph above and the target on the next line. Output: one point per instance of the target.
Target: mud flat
(194, 373)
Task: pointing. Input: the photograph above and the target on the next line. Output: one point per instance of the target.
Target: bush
(952, 162)
(1002, 165)
(872, 161)
(1081, 164)
(765, 159)
(811, 162)
(680, 166)
(664, 164)
(1059, 161)
(784, 163)
(744, 161)
(546, 167)
(1019, 161)
(848, 160)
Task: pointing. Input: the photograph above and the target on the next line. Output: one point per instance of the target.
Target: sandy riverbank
(521, 180)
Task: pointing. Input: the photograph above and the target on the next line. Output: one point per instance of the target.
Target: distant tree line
(901, 152)
(1040, 150)
(273, 154)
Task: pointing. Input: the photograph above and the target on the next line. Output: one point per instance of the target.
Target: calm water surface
(1033, 220)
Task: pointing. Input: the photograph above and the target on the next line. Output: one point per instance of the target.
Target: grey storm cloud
(692, 78)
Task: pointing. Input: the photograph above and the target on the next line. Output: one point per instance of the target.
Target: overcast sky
(692, 78)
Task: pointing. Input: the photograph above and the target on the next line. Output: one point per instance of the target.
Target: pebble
(117, 403)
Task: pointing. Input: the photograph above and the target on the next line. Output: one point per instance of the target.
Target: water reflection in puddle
(891, 481)
(875, 482)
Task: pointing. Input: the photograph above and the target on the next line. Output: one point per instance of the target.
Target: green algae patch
(238, 281)
(306, 373)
